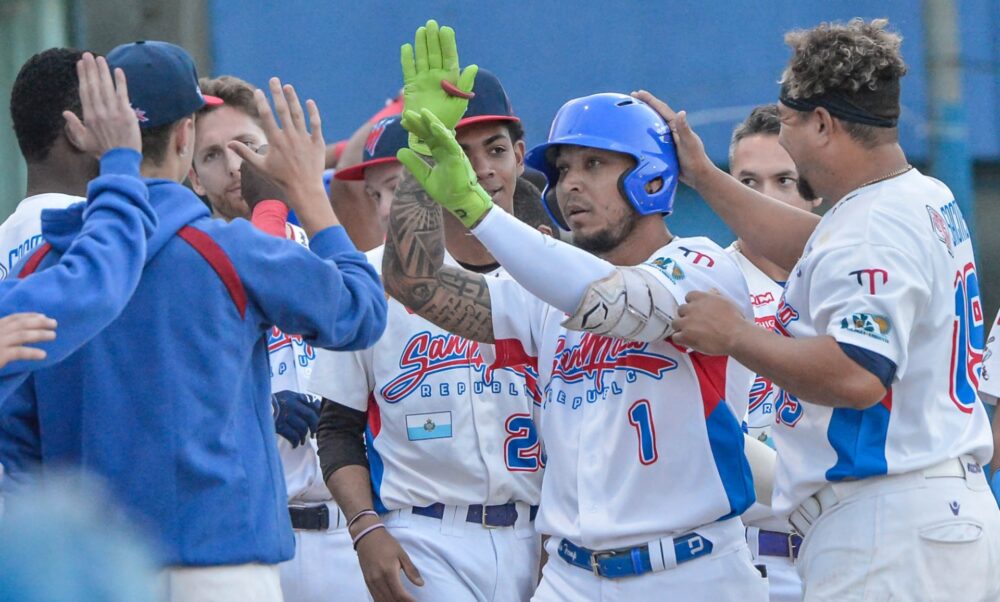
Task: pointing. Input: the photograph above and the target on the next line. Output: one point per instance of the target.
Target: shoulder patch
(873, 325)
(669, 268)
(940, 228)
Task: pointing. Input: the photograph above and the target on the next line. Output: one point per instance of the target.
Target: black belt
(776, 543)
(503, 515)
(312, 518)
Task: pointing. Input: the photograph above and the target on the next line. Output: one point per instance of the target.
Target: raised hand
(432, 78)
(18, 330)
(256, 187)
(108, 118)
(451, 181)
(691, 156)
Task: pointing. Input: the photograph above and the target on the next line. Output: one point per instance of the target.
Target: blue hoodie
(170, 404)
(98, 272)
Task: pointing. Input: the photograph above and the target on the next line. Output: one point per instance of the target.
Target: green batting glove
(451, 181)
(432, 80)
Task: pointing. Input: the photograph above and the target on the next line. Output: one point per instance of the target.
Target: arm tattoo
(413, 269)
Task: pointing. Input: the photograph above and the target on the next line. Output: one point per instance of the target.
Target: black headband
(838, 106)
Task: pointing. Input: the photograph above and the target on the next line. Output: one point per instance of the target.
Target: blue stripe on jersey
(858, 437)
(725, 437)
(377, 469)
(882, 367)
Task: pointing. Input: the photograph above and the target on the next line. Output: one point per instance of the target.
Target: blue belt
(626, 562)
(775, 543)
(502, 515)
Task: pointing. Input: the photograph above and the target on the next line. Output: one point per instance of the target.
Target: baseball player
(758, 161)
(101, 265)
(324, 560)
(58, 168)
(881, 436)
(642, 489)
(183, 433)
(989, 391)
(449, 488)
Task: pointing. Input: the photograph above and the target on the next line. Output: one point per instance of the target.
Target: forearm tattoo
(413, 269)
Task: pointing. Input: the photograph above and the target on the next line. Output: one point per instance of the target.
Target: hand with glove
(432, 79)
(296, 415)
(451, 181)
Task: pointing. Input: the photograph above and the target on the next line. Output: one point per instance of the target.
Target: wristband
(366, 532)
(366, 512)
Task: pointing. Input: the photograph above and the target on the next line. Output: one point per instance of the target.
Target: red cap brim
(212, 101)
(357, 172)
(482, 118)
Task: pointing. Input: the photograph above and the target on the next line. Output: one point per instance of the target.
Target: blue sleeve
(20, 441)
(330, 295)
(882, 367)
(93, 280)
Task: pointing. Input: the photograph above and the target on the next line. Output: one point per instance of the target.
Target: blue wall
(715, 59)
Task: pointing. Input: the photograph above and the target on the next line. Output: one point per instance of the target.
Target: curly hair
(233, 91)
(45, 86)
(850, 58)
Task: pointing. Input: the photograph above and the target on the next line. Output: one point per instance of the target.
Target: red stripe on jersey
(711, 373)
(887, 400)
(511, 353)
(217, 258)
(32, 264)
(374, 416)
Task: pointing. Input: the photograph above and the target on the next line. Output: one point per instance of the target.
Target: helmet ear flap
(552, 206)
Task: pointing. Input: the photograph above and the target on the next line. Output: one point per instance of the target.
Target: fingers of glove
(433, 45)
(413, 123)
(420, 50)
(288, 434)
(414, 164)
(406, 62)
(468, 78)
(449, 49)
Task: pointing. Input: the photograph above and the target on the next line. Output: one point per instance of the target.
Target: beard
(610, 237)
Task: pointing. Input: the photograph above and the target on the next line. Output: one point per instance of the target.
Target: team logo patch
(373, 137)
(697, 257)
(940, 228)
(872, 325)
(596, 357)
(432, 425)
(669, 268)
(871, 278)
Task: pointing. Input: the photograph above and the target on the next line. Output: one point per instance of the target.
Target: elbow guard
(629, 304)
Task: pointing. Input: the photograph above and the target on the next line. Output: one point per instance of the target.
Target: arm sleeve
(270, 217)
(556, 272)
(989, 379)
(870, 308)
(20, 440)
(96, 276)
(340, 438)
(331, 296)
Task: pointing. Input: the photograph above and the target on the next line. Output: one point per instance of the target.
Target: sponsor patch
(940, 228)
(669, 268)
(433, 425)
(873, 325)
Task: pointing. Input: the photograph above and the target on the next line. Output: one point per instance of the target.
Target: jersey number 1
(640, 415)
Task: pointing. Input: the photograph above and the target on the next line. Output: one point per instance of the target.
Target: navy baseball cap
(162, 81)
(386, 138)
(490, 102)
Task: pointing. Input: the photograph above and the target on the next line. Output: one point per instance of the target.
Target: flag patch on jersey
(433, 425)
(873, 325)
(669, 268)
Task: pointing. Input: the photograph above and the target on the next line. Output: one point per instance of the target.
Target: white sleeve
(344, 377)
(698, 267)
(556, 272)
(989, 380)
(870, 307)
(517, 324)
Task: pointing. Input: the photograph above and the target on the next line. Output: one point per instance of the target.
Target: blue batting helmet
(619, 123)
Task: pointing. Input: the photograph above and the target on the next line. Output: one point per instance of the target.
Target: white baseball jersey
(765, 294)
(291, 361)
(643, 440)
(22, 231)
(989, 388)
(442, 426)
(890, 271)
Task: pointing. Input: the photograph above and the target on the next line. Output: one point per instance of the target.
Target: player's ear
(74, 140)
(519, 150)
(184, 137)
